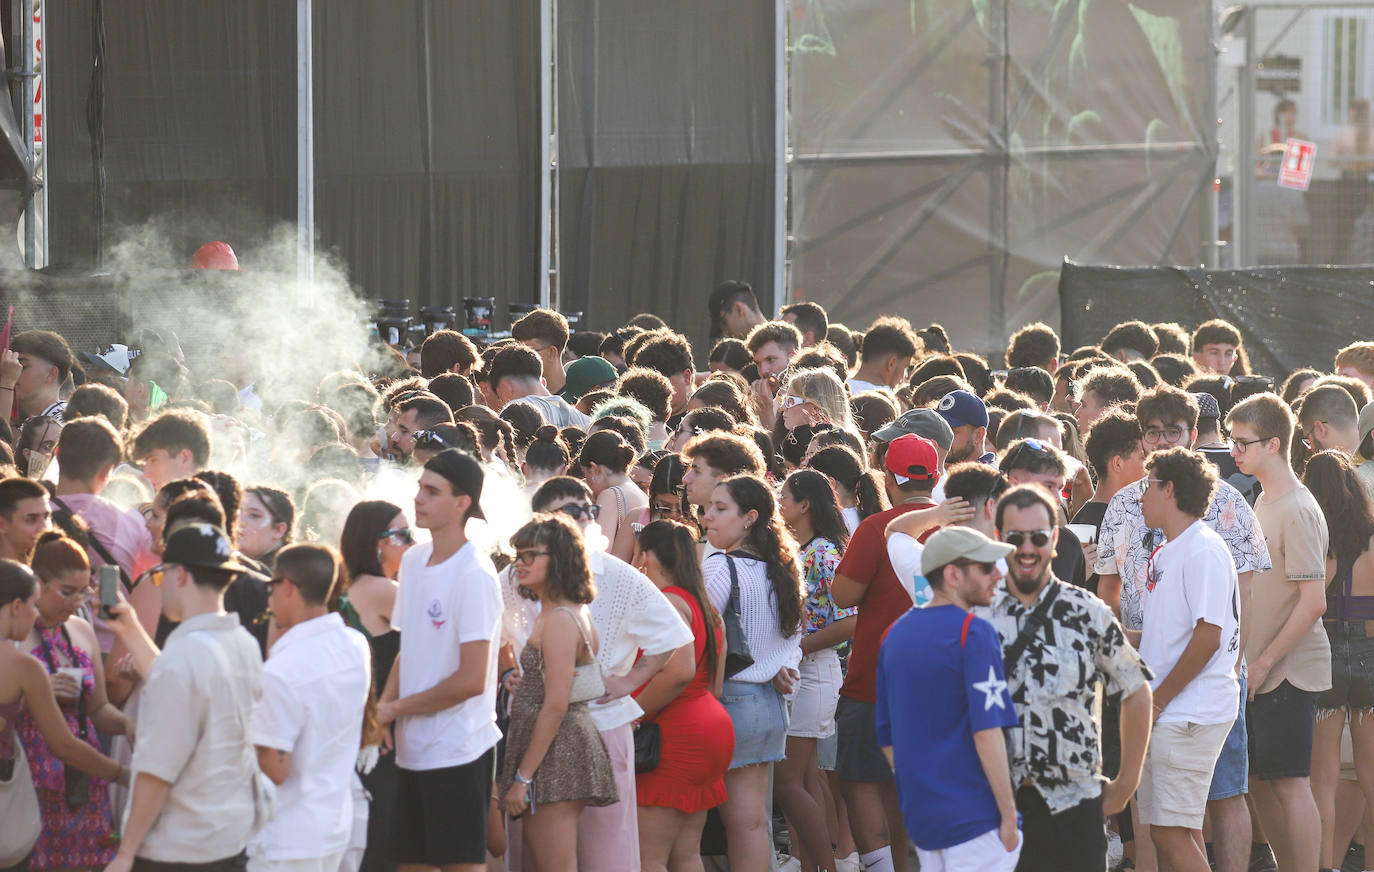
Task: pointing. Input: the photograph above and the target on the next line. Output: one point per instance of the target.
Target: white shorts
(1178, 773)
(314, 864)
(817, 693)
(985, 853)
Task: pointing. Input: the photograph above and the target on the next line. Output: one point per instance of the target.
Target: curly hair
(768, 540)
(1193, 476)
(569, 577)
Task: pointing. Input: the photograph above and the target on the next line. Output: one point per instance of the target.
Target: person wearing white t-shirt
(441, 693)
(971, 491)
(631, 616)
(1190, 639)
(308, 725)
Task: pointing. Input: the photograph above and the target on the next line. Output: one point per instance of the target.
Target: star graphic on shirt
(993, 688)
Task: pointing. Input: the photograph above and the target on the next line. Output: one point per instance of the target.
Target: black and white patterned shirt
(1055, 688)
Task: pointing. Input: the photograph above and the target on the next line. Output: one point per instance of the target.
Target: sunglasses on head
(577, 510)
(426, 439)
(1038, 538)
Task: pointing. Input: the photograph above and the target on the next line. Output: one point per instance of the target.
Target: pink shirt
(123, 533)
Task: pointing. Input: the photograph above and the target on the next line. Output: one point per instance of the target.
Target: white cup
(1086, 533)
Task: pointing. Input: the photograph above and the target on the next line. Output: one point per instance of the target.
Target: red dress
(696, 738)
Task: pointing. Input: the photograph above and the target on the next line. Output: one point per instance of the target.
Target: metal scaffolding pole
(305, 154)
(30, 189)
(1245, 137)
(782, 292)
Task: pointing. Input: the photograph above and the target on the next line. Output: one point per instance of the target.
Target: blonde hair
(824, 389)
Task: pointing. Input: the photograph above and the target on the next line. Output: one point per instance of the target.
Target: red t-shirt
(866, 562)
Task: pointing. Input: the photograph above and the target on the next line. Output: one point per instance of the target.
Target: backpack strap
(963, 634)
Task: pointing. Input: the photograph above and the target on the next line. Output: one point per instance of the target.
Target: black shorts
(441, 814)
(858, 757)
(1280, 724)
(1074, 840)
(1352, 674)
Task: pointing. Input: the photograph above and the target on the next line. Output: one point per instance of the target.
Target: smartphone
(109, 589)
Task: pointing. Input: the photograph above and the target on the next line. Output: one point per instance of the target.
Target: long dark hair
(843, 465)
(768, 540)
(362, 531)
(1349, 517)
(816, 490)
(674, 545)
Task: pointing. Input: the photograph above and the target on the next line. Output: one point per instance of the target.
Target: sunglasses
(271, 584)
(1033, 445)
(427, 439)
(986, 568)
(399, 535)
(1038, 538)
(577, 510)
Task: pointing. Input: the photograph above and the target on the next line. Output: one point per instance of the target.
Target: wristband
(522, 779)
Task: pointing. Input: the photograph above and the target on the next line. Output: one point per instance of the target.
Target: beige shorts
(1178, 773)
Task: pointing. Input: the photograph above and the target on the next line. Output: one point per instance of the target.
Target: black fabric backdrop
(1289, 317)
(426, 138)
(665, 115)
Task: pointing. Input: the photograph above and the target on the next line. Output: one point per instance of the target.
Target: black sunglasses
(987, 568)
(577, 510)
(1038, 538)
(426, 439)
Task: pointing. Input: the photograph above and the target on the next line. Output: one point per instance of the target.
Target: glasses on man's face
(986, 568)
(1309, 441)
(398, 536)
(527, 558)
(1038, 538)
(1148, 481)
(1169, 435)
(271, 583)
(577, 510)
(1240, 446)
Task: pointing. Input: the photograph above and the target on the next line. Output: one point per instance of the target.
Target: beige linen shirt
(194, 732)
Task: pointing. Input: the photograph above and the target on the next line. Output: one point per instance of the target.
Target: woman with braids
(26, 693)
(266, 517)
(556, 762)
(808, 507)
(859, 490)
(375, 536)
(758, 563)
(1349, 621)
(696, 737)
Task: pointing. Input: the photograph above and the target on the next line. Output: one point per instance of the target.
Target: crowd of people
(822, 599)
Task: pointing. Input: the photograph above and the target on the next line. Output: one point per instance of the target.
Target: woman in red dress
(696, 737)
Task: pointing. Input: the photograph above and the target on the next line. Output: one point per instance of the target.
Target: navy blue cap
(961, 408)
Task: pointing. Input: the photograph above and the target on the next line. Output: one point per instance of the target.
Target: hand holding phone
(109, 590)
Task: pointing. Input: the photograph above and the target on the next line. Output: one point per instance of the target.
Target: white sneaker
(852, 863)
(788, 863)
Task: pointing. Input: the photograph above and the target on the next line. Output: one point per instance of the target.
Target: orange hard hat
(214, 255)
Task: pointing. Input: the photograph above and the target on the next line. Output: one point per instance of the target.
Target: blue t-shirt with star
(937, 686)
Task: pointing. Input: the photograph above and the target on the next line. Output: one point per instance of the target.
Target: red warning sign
(1299, 157)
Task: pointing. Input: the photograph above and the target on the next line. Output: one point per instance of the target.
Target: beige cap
(1366, 421)
(960, 543)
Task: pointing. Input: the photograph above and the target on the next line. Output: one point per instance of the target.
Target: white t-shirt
(438, 608)
(314, 689)
(1192, 578)
(905, 553)
(851, 518)
(858, 386)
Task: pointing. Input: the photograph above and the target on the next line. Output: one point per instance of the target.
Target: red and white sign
(1299, 157)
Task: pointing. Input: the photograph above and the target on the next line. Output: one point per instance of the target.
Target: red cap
(214, 255)
(913, 457)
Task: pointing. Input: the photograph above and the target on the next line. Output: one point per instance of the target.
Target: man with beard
(1058, 642)
(967, 416)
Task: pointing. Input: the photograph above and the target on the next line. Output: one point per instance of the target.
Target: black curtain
(200, 127)
(427, 146)
(666, 158)
(1289, 317)
(426, 137)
